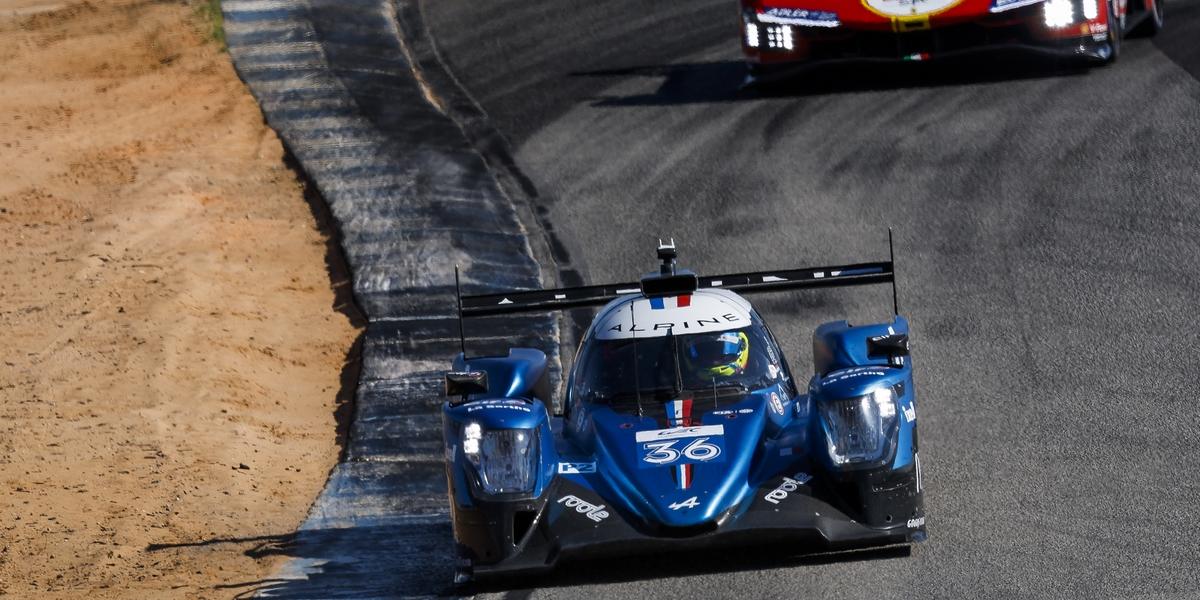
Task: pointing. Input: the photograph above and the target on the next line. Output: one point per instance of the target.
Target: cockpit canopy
(709, 346)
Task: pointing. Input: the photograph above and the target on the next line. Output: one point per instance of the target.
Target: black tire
(1115, 32)
(1153, 22)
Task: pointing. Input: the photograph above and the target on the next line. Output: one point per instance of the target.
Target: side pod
(499, 450)
(865, 433)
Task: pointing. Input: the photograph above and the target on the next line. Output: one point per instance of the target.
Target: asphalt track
(1048, 240)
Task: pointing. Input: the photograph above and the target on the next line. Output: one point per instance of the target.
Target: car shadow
(405, 558)
(397, 559)
(679, 564)
(725, 81)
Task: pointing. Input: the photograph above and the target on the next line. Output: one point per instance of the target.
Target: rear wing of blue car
(599, 295)
(670, 282)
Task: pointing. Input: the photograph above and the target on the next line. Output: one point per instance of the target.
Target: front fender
(494, 414)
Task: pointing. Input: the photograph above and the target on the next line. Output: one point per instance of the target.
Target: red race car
(777, 34)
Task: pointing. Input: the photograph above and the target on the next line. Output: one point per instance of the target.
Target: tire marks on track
(412, 198)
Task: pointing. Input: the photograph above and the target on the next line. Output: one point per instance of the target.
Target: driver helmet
(723, 354)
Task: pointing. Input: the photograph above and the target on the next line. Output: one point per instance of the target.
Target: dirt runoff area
(176, 332)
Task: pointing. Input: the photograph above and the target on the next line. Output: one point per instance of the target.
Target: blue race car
(682, 428)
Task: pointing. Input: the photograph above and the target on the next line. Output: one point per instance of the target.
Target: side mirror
(461, 384)
(894, 347)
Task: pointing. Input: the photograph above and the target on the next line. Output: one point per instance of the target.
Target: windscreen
(721, 366)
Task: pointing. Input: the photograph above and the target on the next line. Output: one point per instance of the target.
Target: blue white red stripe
(683, 301)
(679, 414)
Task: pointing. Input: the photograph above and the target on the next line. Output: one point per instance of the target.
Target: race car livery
(682, 428)
(777, 34)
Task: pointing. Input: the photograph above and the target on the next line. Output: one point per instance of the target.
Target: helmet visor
(715, 351)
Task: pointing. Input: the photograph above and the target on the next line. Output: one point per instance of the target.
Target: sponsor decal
(679, 432)
(910, 412)
(520, 405)
(853, 372)
(776, 404)
(655, 317)
(917, 522)
(594, 512)
(740, 411)
(721, 322)
(798, 16)
(692, 502)
(1003, 5)
(772, 371)
(788, 486)
(576, 468)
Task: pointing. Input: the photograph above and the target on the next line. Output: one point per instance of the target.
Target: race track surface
(1047, 240)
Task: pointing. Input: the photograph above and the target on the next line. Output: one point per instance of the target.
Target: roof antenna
(462, 337)
(892, 258)
(667, 254)
(637, 384)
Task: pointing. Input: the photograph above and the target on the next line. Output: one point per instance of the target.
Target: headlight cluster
(505, 459)
(780, 36)
(1059, 13)
(857, 429)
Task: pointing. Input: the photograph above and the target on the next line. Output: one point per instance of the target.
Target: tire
(1153, 22)
(1114, 32)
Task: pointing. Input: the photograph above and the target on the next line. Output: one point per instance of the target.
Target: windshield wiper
(677, 384)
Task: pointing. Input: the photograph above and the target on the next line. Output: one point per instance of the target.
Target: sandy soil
(174, 328)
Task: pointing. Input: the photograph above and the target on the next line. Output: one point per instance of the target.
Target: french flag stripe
(678, 302)
(679, 413)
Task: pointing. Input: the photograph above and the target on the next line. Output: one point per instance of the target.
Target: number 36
(662, 453)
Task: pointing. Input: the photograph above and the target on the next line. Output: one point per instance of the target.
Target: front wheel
(1114, 32)
(1153, 22)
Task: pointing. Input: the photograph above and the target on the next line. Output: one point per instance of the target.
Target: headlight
(1091, 9)
(505, 459)
(856, 429)
(752, 35)
(780, 36)
(1059, 13)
